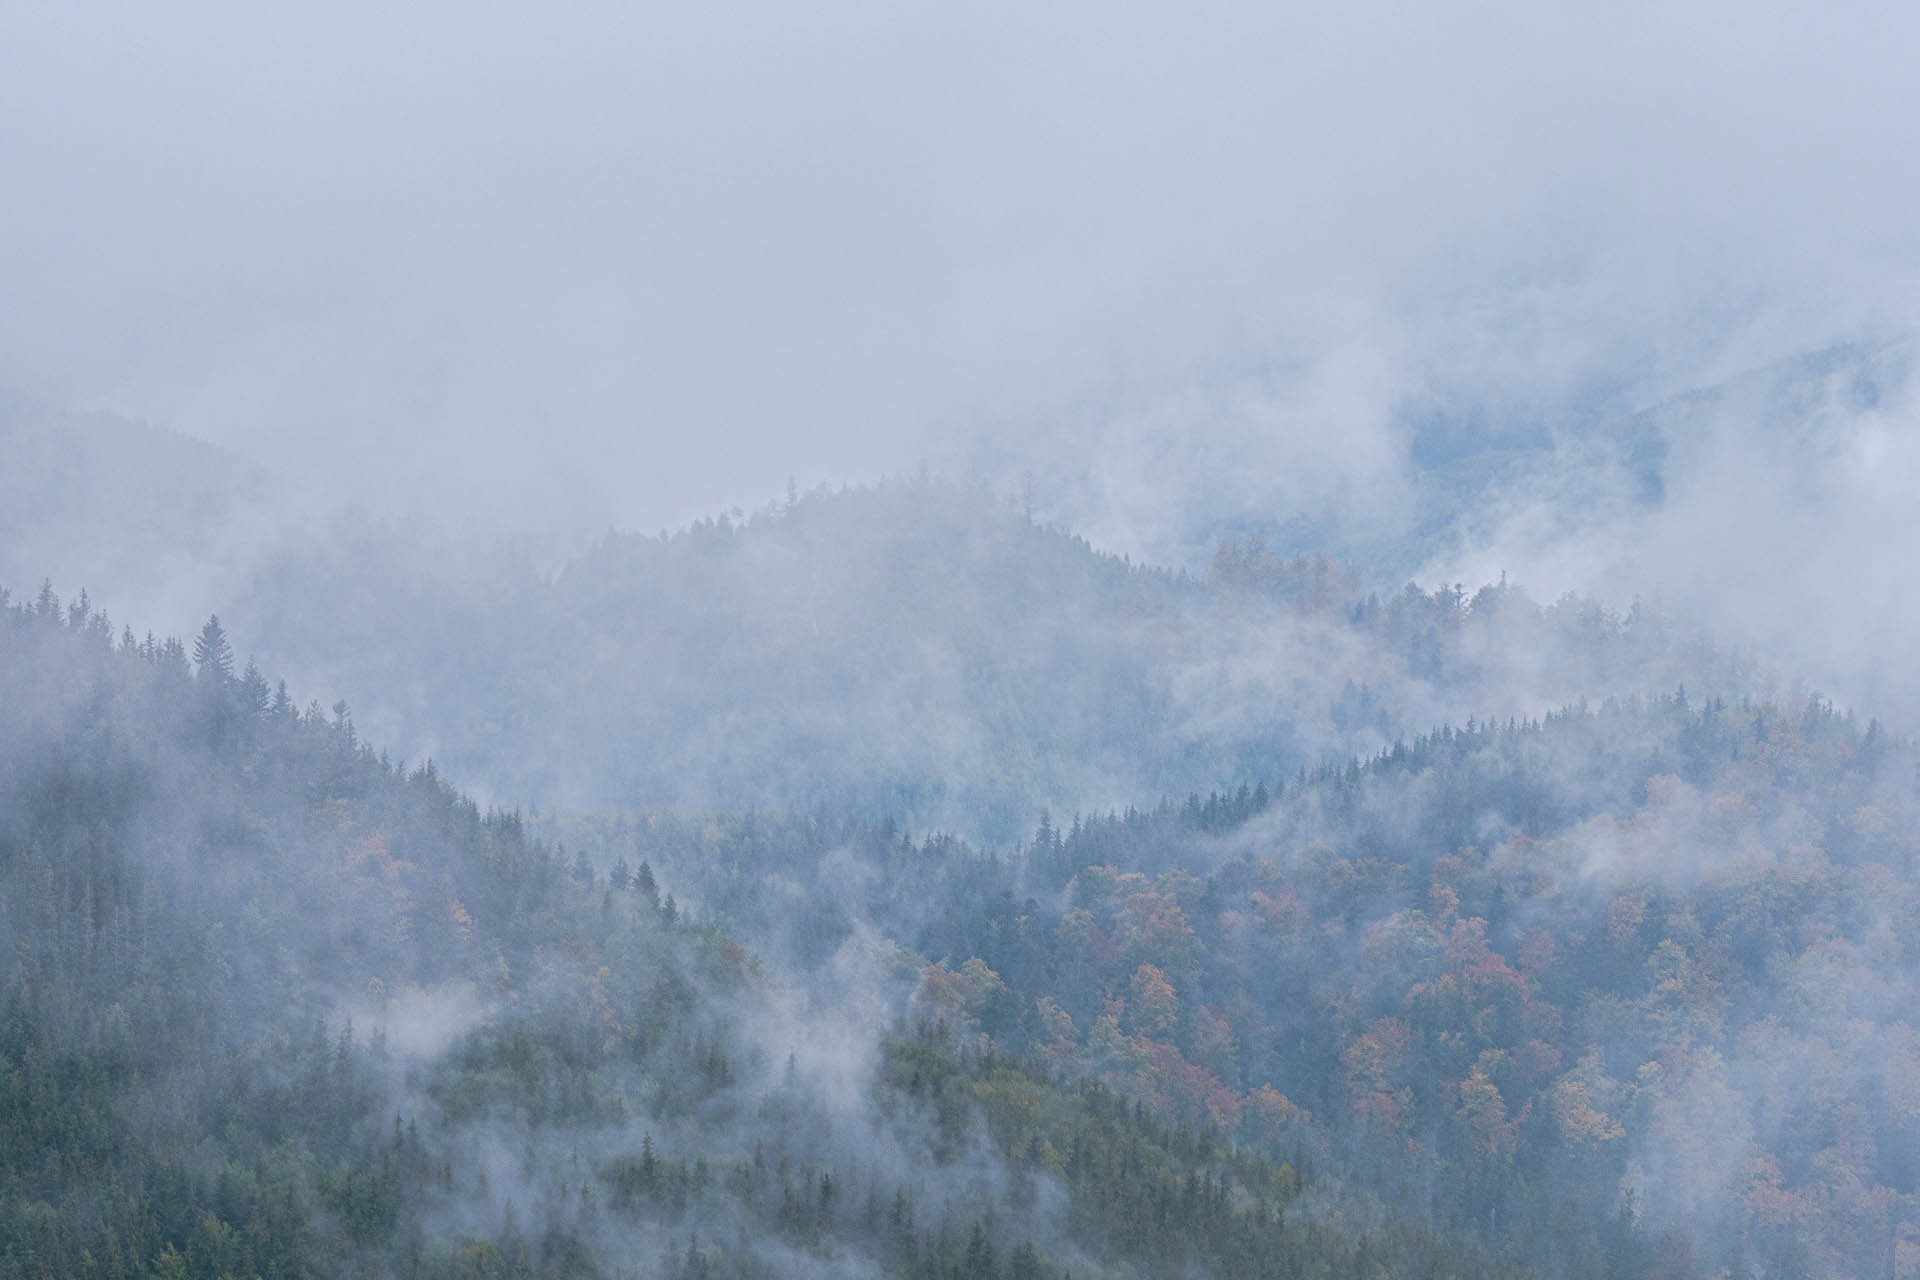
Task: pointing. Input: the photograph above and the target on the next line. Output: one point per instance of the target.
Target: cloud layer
(630, 265)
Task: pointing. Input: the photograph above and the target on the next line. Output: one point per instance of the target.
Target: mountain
(912, 889)
(271, 1004)
(923, 649)
(1478, 481)
(919, 650)
(1629, 989)
(165, 526)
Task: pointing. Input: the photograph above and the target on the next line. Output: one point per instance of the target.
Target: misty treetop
(1270, 728)
(274, 1005)
(1618, 985)
(1628, 989)
(921, 650)
(245, 952)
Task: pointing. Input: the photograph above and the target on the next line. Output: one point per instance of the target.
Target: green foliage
(1150, 1194)
(1614, 986)
(199, 885)
(276, 1006)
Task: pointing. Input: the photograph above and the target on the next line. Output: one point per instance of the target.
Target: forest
(1624, 987)
(986, 641)
(276, 1004)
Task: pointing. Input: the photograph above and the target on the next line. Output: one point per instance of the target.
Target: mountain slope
(919, 650)
(1630, 989)
(272, 1005)
(165, 526)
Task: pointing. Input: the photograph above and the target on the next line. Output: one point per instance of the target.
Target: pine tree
(254, 692)
(212, 654)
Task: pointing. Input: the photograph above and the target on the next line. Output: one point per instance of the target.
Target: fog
(1274, 634)
(1784, 522)
(630, 266)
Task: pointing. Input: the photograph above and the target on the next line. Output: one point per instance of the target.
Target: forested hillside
(1629, 989)
(1625, 988)
(1411, 932)
(918, 648)
(959, 641)
(925, 651)
(273, 1004)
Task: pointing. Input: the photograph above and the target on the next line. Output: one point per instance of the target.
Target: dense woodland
(922, 650)
(959, 642)
(1623, 987)
(277, 1005)
(1642, 971)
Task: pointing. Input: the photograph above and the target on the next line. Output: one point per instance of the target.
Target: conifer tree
(212, 654)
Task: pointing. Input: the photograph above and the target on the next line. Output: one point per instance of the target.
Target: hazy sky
(636, 262)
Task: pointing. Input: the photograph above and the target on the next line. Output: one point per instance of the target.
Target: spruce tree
(212, 654)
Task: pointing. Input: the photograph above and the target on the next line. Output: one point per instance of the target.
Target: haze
(627, 265)
(1278, 641)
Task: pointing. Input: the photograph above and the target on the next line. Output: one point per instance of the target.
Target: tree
(254, 692)
(212, 654)
(1155, 1006)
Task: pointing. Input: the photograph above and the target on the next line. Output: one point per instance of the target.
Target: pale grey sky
(632, 263)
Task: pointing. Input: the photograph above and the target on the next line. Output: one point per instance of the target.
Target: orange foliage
(1154, 1004)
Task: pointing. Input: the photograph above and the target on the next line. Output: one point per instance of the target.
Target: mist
(924, 641)
(619, 267)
